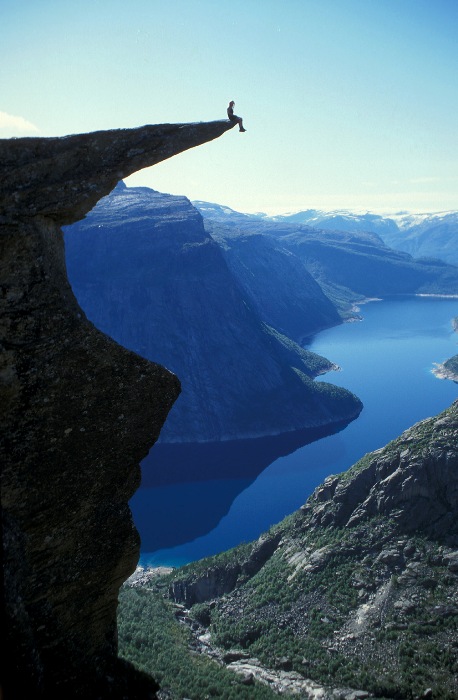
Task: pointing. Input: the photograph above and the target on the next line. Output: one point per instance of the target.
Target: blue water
(386, 360)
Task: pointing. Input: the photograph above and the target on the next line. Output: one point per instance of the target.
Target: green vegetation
(300, 623)
(151, 638)
(312, 363)
(297, 620)
(230, 557)
(370, 607)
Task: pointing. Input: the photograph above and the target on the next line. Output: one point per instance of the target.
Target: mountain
(427, 235)
(148, 274)
(277, 282)
(223, 301)
(223, 214)
(349, 265)
(365, 267)
(341, 220)
(420, 235)
(79, 413)
(353, 596)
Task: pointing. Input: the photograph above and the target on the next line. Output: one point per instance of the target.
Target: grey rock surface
(359, 587)
(78, 414)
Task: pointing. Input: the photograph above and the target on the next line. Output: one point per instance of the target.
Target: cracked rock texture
(356, 592)
(414, 480)
(78, 414)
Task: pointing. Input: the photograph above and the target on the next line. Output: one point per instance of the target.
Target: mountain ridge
(349, 265)
(430, 235)
(149, 274)
(352, 596)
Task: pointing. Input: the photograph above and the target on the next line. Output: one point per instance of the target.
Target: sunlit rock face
(78, 414)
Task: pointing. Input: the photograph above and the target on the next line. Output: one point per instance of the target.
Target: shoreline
(143, 574)
(441, 372)
(438, 296)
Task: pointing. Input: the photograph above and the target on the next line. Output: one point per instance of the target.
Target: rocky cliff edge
(78, 414)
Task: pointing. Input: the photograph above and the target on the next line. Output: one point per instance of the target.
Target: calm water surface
(386, 360)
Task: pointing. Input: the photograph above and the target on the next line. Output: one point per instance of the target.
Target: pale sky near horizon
(347, 103)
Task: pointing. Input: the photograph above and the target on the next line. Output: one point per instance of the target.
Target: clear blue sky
(347, 103)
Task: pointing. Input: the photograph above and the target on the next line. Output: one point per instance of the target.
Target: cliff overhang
(78, 412)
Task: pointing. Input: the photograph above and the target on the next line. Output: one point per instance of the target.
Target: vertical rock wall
(78, 414)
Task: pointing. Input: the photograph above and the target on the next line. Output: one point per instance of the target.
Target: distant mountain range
(421, 235)
(350, 263)
(225, 302)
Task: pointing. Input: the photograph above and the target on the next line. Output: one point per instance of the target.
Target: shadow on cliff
(188, 488)
(78, 413)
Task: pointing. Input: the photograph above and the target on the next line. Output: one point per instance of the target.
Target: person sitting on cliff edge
(233, 117)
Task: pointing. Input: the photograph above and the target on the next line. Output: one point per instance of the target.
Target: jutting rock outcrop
(78, 414)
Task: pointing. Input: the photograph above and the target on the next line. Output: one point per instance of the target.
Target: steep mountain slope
(348, 264)
(356, 590)
(340, 260)
(277, 282)
(148, 274)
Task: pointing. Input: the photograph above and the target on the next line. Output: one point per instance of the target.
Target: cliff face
(413, 481)
(281, 289)
(78, 414)
(63, 178)
(147, 273)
